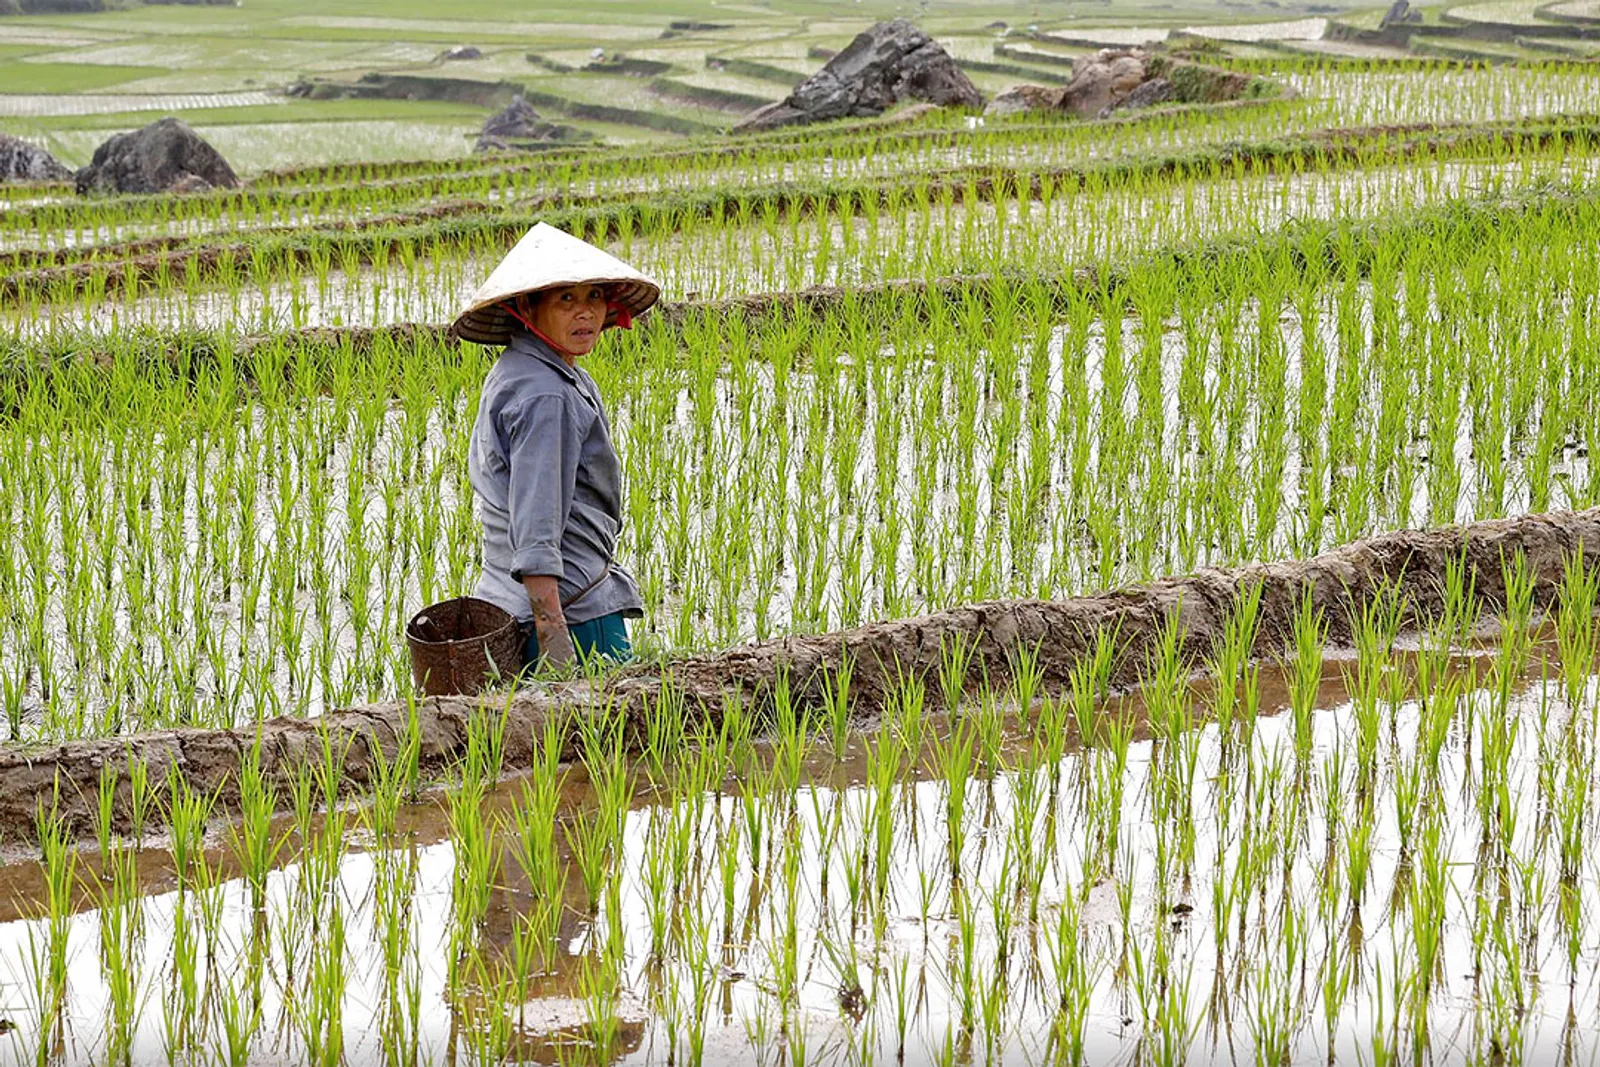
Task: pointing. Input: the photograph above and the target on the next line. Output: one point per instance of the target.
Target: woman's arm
(549, 624)
(543, 444)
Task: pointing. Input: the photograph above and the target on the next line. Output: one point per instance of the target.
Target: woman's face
(571, 316)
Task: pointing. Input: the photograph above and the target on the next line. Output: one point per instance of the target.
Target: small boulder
(1021, 98)
(24, 162)
(189, 183)
(462, 51)
(885, 65)
(1400, 13)
(165, 156)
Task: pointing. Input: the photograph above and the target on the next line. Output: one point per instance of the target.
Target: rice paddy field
(1251, 797)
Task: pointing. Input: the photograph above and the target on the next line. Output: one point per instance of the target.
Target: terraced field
(1004, 693)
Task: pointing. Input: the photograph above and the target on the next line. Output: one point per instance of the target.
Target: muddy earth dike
(1340, 582)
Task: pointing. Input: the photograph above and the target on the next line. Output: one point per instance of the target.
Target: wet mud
(1058, 635)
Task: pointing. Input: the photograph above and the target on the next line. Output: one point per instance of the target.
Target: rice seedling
(1305, 674)
(1107, 351)
(838, 707)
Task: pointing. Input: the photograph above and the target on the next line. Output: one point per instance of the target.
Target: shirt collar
(527, 344)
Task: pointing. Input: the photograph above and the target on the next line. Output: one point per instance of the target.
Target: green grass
(253, 146)
(1502, 12)
(241, 53)
(420, 111)
(9, 52)
(66, 77)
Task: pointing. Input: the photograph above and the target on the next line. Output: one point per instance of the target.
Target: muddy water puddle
(1290, 889)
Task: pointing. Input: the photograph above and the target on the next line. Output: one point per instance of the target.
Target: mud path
(1340, 582)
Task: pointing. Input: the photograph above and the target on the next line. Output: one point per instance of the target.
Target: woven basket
(462, 645)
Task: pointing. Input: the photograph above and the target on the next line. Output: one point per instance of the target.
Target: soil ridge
(1058, 634)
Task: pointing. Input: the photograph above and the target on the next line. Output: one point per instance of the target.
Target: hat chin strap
(622, 318)
(540, 334)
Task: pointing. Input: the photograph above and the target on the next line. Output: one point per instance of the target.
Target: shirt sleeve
(543, 447)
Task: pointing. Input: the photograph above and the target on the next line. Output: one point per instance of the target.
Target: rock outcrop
(888, 64)
(1118, 79)
(165, 156)
(23, 162)
(519, 127)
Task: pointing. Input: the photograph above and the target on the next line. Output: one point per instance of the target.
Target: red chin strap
(511, 310)
(620, 317)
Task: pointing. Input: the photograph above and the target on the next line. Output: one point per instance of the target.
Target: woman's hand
(549, 624)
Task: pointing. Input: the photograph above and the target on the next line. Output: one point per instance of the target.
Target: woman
(541, 461)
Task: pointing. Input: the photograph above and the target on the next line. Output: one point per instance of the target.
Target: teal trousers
(606, 636)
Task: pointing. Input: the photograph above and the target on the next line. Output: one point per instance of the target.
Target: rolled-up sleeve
(542, 446)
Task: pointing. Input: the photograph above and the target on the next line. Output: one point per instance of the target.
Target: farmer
(542, 465)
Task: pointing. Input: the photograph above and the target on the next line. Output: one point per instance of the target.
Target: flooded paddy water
(1056, 458)
(1350, 853)
(136, 604)
(920, 237)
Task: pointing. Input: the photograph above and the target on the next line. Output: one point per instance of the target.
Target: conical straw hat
(546, 258)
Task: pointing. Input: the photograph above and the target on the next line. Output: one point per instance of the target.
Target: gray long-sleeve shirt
(549, 486)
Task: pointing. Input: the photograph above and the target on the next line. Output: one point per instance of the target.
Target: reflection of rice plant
(954, 758)
(48, 947)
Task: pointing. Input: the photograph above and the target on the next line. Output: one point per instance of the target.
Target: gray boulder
(1399, 14)
(519, 126)
(888, 64)
(23, 162)
(165, 156)
(1020, 98)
